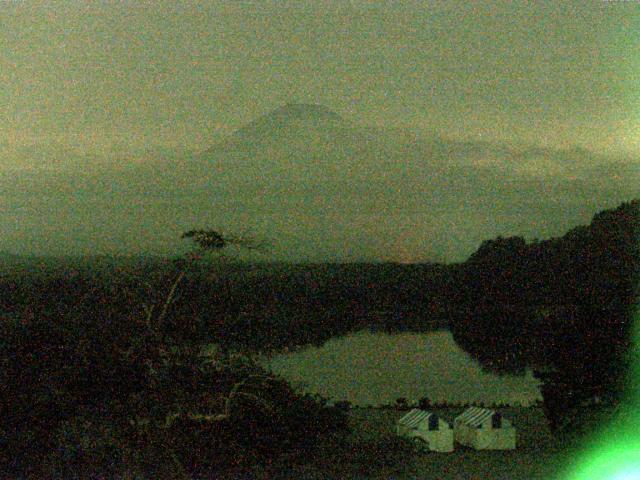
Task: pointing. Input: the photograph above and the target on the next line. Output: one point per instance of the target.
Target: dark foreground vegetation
(96, 384)
(101, 370)
(257, 307)
(81, 404)
(565, 306)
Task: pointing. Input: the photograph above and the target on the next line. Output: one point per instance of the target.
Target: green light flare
(613, 453)
(611, 461)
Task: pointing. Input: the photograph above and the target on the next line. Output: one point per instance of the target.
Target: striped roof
(475, 416)
(414, 417)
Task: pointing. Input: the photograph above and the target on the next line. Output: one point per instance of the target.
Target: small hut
(484, 429)
(426, 430)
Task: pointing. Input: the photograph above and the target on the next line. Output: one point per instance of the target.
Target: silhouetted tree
(424, 403)
(589, 354)
(563, 305)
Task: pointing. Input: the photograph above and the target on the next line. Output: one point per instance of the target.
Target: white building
(426, 430)
(484, 429)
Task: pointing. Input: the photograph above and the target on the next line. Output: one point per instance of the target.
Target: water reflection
(368, 368)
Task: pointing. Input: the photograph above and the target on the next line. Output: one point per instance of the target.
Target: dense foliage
(93, 388)
(241, 306)
(563, 305)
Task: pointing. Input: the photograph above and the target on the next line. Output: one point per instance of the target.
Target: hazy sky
(115, 79)
(136, 74)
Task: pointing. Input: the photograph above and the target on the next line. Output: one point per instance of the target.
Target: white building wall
(486, 438)
(498, 439)
(441, 440)
(465, 435)
(444, 441)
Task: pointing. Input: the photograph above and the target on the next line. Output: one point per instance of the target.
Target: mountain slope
(297, 143)
(320, 187)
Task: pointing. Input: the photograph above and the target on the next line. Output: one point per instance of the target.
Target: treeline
(563, 306)
(248, 307)
(426, 403)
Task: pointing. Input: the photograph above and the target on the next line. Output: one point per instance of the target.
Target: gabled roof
(414, 417)
(475, 416)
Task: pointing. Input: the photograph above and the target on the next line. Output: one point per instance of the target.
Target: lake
(374, 369)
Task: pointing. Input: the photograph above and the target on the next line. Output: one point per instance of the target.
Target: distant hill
(320, 187)
(302, 144)
(311, 145)
(519, 291)
(293, 116)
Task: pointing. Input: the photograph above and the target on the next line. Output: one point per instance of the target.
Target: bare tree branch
(228, 407)
(149, 312)
(235, 392)
(168, 301)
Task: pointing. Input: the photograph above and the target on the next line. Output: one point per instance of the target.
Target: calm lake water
(368, 368)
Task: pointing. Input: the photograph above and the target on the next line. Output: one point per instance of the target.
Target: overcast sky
(137, 74)
(115, 79)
